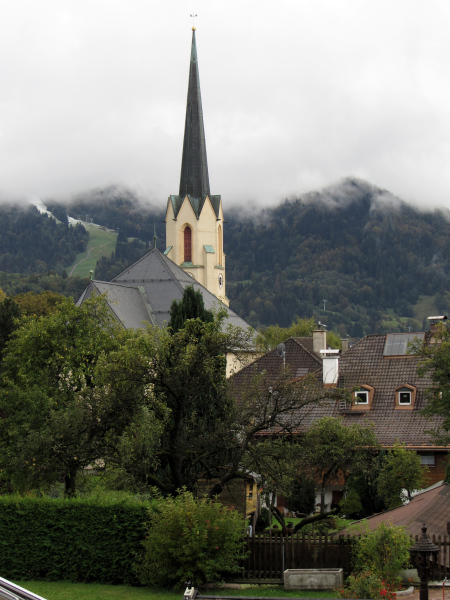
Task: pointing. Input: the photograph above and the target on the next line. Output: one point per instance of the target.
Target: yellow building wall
(206, 231)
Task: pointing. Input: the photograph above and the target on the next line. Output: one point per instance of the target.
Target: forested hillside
(354, 245)
(31, 242)
(370, 256)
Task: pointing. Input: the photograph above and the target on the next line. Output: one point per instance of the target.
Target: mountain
(31, 242)
(356, 246)
(374, 262)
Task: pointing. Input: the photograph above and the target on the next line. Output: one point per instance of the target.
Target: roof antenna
(155, 237)
(281, 351)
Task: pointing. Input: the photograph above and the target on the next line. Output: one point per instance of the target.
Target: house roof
(432, 507)
(145, 290)
(363, 364)
(299, 359)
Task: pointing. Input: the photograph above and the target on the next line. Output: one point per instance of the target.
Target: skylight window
(397, 344)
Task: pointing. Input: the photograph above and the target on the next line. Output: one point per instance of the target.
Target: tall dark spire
(194, 179)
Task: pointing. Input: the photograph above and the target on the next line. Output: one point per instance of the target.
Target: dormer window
(363, 397)
(405, 396)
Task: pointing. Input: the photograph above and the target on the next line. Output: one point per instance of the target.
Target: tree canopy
(57, 414)
(401, 474)
(191, 306)
(436, 362)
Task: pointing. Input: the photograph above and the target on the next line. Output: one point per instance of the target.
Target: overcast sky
(296, 95)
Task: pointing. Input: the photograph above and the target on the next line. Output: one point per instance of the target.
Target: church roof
(145, 290)
(194, 178)
(196, 203)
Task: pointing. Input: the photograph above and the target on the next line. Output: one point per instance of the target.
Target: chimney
(435, 322)
(319, 340)
(345, 345)
(330, 367)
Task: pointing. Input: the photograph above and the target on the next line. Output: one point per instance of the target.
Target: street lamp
(423, 554)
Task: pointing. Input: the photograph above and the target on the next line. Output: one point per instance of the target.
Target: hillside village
(112, 389)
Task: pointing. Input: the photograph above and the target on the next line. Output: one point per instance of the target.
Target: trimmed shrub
(77, 540)
(191, 539)
(383, 551)
(367, 585)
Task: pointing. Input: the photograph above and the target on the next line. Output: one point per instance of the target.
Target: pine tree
(191, 306)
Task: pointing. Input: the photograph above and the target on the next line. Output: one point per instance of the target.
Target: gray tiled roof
(145, 291)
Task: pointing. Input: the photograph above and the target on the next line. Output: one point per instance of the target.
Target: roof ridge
(133, 264)
(312, 354)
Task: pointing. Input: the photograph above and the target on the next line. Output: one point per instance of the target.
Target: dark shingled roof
(194, 178)
(144, 292)
(362, 364)
(431, 507)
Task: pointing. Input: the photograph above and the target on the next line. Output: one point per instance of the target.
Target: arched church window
(219, 232)
(187, 244)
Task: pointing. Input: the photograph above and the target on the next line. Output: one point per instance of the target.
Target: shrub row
(77, 540)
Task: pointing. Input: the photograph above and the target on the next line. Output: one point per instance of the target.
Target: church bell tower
(194, 218)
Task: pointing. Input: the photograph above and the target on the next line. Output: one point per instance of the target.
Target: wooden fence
(441, 568)
(270, 555)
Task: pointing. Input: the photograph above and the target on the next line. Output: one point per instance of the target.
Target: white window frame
(402, 391)
(358, 397)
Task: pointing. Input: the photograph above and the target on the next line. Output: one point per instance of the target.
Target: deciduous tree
(401, 473)
(333, 451)
(57, 413)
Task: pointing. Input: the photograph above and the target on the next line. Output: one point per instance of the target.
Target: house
(386, 392)
(241, 494)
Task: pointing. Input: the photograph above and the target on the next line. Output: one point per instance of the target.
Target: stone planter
(313, 579)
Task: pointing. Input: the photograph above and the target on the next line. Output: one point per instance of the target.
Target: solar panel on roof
(397, 344)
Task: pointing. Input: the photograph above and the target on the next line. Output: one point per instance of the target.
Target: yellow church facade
(196, 245)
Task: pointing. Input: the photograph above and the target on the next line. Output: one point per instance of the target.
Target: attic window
(405, 396)
(363, 397)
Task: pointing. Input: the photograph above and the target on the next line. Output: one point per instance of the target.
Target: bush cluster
(77, 540)
(189, 539)
(378, 557)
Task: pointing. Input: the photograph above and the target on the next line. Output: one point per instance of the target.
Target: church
(144, 292)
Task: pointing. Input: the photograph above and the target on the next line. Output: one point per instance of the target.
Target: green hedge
(77, 540)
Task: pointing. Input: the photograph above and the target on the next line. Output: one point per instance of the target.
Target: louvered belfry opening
(187, 244)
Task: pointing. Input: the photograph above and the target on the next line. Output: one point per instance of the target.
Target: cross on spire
(193, 15)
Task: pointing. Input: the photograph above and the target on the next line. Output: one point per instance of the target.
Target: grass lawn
(63, 590)
(101, 243)
(424, 308)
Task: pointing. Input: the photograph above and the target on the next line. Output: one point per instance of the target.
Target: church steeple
(194, 179)
(194, 218)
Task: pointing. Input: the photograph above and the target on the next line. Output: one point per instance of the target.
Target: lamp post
(423, 553)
